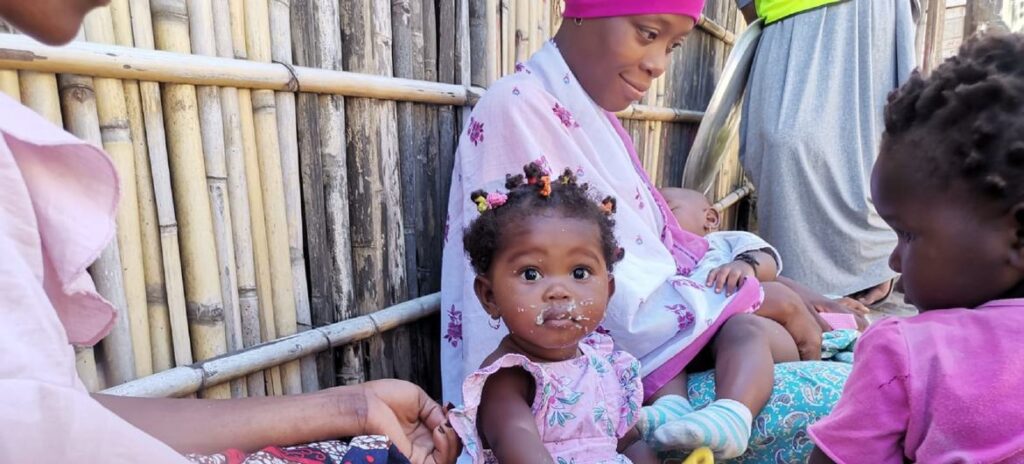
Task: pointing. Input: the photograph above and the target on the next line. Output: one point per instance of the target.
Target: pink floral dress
(582, 405)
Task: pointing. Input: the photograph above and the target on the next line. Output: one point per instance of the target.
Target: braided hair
(529, 194)
(965, 122)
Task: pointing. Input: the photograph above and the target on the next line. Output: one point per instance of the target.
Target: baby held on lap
(734, 256)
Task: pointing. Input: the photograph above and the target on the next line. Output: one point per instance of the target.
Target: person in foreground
(944, 386)
(58, 195)
(553, 389)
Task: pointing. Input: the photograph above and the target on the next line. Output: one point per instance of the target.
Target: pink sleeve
(870, 420)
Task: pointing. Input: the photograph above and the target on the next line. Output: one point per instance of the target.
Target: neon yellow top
(774, 10)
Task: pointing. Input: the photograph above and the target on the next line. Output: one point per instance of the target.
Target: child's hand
(730, 277)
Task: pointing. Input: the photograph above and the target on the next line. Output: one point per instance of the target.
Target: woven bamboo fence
(285, 167)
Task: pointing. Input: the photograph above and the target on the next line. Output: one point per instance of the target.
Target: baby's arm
(756, 263)
(506, 422)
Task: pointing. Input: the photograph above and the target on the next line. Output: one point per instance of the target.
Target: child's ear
(1017, 253)
(485, 293)
(611, 285)
(712, 219)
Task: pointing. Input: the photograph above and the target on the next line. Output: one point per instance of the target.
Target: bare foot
(874, 295)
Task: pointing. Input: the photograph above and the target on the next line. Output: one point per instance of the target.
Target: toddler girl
(944, 386)
(543, 253)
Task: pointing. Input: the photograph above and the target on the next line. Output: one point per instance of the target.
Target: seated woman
(556, 111)
(57, 200)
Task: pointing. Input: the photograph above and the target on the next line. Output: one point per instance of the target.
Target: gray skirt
(811, 129)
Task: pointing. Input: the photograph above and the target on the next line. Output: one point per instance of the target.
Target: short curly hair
(528, 196)
(965, 122)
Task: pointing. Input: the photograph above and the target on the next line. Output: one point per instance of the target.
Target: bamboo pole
(168, 327)
(117, 141)
(79, 105)
(281, 52)
(508, 37)
(261, 252)
(211, 121)
(9, 84)
(39, 92)
(935, 25)
(199, 252)
(181, 381)
(122, 63)
(374, 185)
(522, 32)
(238, 198)
(257, 30)
(152, 262)
(85, 365)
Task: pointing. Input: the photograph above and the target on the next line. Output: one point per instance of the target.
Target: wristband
(746, 258)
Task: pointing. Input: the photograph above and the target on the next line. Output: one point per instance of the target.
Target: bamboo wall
(254, 212)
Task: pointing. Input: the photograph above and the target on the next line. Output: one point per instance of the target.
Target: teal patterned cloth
(803, 393)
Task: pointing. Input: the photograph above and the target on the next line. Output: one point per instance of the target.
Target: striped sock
(723, 426)
(666, 409)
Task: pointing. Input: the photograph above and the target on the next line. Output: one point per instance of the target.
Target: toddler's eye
(580, 273)
(531, 275)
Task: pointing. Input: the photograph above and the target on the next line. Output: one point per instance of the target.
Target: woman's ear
(485, 293)
(712, 220)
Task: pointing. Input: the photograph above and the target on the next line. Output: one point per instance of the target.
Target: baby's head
(692, 210)
(950, 177)
(543, 253)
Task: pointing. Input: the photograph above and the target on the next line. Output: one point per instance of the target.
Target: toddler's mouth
(560, 314)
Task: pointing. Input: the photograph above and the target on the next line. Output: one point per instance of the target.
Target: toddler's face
(549, 283)
(951, 252)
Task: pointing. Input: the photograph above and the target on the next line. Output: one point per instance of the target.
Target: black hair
(529, 195)
(965, 122)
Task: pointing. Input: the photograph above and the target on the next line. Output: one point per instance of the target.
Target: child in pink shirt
(945, 386)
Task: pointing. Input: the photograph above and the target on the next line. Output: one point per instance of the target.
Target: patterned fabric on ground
(582, 405)
(838, 345)
(804, 392)
(366, 449)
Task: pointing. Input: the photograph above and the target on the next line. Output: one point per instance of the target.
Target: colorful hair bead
(496, 199)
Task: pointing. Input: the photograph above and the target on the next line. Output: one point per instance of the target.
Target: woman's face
(616, 59)
(49, 21)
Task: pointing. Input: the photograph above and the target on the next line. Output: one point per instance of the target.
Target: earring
(494, 322)
(578, 21)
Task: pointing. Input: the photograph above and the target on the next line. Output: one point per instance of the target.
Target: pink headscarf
(607, 8)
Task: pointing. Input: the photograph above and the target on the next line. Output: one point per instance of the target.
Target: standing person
(811, 127)
(557, 111)
(58, 196)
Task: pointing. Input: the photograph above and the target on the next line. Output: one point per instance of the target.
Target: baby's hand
(730, 277)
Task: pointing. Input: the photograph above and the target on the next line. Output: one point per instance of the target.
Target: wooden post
(205, 304)
(374, 186)
(78, 99)
(211, 122)
(170, 327)
(257, 35)
(322, 164)
(281, 52)
(935, 26)
(238, 198)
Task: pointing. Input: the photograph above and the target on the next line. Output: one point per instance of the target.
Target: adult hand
(806, 331)
(415, 423)
(729, 277)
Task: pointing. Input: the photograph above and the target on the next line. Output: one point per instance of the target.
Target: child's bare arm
(637, 450)
(819, 457)
(506, 422)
